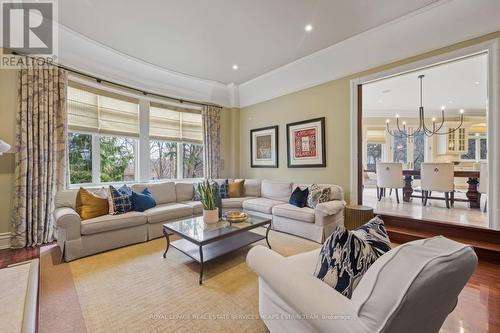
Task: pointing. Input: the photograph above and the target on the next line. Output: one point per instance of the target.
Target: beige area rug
(134, 289)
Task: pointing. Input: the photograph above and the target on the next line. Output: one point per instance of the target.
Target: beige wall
(230, 142)
(330, 100)
(8, 104)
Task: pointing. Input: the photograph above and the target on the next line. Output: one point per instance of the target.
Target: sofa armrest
(69, 220)
(305, 293)
(330, 207)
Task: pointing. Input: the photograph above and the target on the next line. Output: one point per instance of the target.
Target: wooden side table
(356, 215)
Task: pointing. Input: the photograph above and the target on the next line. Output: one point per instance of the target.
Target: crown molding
(439, 25)
(88, 56)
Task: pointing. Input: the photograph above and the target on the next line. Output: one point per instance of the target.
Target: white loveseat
(78, 238)
(410, 289)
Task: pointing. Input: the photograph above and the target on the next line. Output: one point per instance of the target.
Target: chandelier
(422, 127)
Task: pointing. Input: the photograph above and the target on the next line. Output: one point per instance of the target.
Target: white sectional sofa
(78, 238)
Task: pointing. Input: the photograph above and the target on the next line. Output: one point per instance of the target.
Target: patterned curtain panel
(211, 141)
(40, 153)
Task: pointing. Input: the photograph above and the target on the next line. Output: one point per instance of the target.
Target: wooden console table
(473, 196)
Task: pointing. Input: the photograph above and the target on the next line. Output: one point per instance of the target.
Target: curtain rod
(144, 92)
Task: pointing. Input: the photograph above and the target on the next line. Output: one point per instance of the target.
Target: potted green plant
(210, 210)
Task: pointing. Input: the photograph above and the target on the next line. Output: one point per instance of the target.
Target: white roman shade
(175, 124)
(101, 112)
(375, 136)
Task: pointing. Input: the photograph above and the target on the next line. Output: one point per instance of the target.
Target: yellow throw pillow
(89, 205)
(236, 188)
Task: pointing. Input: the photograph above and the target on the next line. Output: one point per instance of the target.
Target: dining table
(473, 196)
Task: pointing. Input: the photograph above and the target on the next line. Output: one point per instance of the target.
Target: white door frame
(493, 49)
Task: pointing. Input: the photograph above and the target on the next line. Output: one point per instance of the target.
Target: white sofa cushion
(66, 198)
(280, 191)
(197, 206)
(234, 202)
(304, 214)
(184, 191)
(164, 213)
(262, 205)
(162, 192)
(112, 222)
(252, 187)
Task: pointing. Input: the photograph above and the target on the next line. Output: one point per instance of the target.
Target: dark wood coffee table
(204, 242)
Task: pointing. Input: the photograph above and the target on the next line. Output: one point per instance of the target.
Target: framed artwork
(264, 147)
(306, 144)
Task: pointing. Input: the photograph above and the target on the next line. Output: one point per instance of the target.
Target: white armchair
(483, 183)
(389, 176)
(410, 289)
(438, 177)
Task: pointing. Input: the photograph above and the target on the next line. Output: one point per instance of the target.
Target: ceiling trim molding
(88, 56)
(371, 49)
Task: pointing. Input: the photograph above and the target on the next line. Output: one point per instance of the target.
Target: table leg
(267, 233)
(200, 281)
(407, 189)
(167, 237)
(472, 193)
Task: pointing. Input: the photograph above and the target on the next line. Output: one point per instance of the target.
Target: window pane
(374, 155)
(484, 149)
(163, 157)
(400, 147)
(192, 155)
(471, 153)
(117, 159)
(80, 158)
(419, 150)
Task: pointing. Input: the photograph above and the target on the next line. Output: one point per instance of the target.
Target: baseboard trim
(4, 240)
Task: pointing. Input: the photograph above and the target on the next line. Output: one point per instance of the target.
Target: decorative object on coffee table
(236, 216)
(210, 210)
(356, 215)
(264, 147)
(306, 146)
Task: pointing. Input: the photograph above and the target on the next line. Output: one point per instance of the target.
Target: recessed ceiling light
(308, 27)
(477, 82)
(235, 67)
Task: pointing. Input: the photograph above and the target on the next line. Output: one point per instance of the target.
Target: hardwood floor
(477, 311)
(12, 256)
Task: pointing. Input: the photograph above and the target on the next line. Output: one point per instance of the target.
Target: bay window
(105, 131)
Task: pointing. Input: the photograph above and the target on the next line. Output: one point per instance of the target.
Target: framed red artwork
(306, 144)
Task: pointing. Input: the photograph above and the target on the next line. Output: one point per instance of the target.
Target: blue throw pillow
(143, 201)
(121, 202)
(299, 197)
(125, 190)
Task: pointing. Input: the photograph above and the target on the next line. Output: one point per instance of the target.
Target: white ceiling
(205, 38)
(461, 84)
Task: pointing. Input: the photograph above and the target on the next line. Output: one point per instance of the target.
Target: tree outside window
(163, 157)
(80, 158)
(192, 160)
(117, 159)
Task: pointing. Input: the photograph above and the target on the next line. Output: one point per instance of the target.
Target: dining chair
(483, 183)
(389, 176)
(438, 177)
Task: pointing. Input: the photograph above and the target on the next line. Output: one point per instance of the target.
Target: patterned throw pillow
(223, 186)
(122, 202)
(317, 195)
(347, 255)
